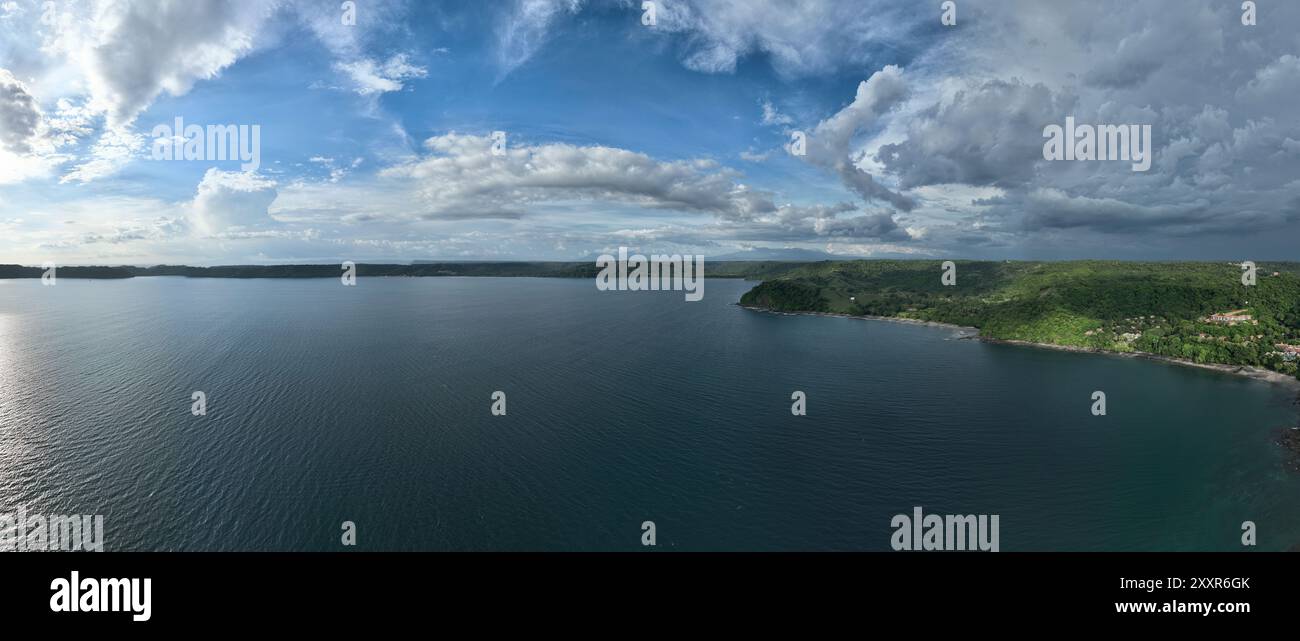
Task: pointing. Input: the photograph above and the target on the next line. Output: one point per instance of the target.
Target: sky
(392, 131)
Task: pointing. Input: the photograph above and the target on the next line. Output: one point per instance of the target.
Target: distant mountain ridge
(786, 254)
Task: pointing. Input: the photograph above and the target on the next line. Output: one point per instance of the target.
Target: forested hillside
(1160, 308)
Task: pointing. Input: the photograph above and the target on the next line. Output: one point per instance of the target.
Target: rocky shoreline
(971, 332)
(1256, 373)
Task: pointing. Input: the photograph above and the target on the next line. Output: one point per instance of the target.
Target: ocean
(373, 405)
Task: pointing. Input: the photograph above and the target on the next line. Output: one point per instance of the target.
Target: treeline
(556, 269)
(19, 271)
(785, 296)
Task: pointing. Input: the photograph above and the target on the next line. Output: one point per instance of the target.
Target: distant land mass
(1199, 313)
(540, 269)
(1196, 312)
(790, 254)
(765, 254)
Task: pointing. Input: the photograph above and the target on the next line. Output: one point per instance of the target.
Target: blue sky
(924, 139)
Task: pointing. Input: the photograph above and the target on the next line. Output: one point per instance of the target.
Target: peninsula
(1198, 313)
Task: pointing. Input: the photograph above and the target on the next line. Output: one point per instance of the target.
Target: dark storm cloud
(987, 135)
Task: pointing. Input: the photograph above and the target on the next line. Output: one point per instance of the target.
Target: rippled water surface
(372, 404)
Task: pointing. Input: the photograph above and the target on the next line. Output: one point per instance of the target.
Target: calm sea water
(372, 404)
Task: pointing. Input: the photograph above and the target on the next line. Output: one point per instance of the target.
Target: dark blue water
(372, 404)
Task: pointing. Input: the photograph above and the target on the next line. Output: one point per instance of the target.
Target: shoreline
(1247, 371)
(972, 331)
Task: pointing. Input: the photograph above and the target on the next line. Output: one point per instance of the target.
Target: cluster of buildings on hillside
(1130, 329)
(1232, 318)
(1222, 339)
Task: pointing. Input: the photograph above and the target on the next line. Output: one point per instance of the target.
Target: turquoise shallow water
(372, 404)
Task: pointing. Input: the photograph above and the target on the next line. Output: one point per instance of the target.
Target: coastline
(1248, 371)
(973, 332)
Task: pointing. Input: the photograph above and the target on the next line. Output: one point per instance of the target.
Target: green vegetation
(1158, 308)
(786, 296)
(18, 271)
